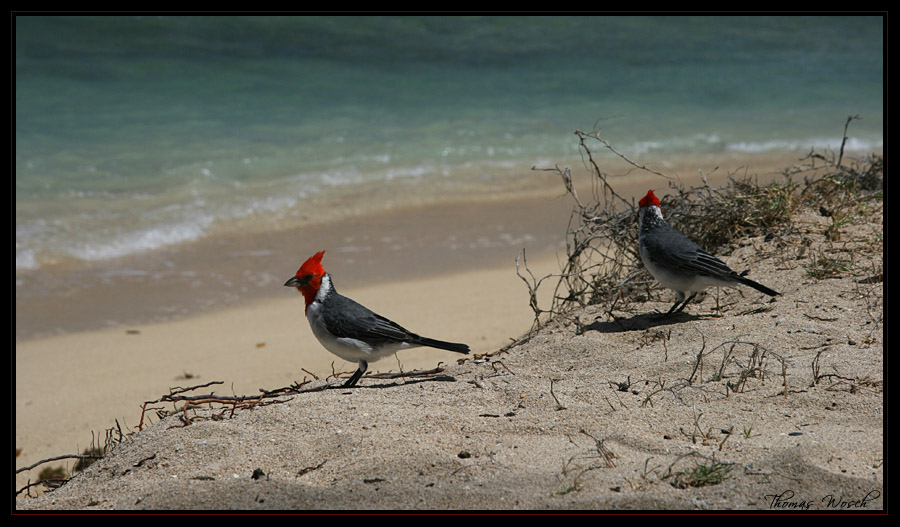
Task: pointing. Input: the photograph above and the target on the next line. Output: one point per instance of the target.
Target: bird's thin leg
(671, 309)
(686, 302)
(363, 366)
(679, 296)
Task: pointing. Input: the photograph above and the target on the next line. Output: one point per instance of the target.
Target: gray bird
(677, 262)
(350, 330)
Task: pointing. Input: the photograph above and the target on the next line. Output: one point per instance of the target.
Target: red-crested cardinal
(677, 262)
(348, 329)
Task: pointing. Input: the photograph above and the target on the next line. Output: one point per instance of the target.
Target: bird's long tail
(440, 344)
(759, 287)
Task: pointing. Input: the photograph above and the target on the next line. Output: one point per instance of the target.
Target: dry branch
(57, 458)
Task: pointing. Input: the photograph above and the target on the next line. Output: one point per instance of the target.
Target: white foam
(832, 143)
(141, 240)
(715, 141)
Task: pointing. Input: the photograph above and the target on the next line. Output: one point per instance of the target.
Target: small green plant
(702, 475)
(824, 266)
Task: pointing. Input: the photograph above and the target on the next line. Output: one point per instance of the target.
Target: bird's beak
(297, 282)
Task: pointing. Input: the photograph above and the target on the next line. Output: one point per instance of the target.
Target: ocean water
(139, 133)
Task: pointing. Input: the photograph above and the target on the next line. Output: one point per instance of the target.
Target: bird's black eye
(299, 281)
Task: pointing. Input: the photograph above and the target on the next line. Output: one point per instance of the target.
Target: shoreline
(225, 272)
(485, 230)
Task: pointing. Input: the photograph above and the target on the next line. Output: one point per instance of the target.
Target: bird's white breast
(347, 348)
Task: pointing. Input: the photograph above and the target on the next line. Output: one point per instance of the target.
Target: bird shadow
(393, 384)
(638, 322)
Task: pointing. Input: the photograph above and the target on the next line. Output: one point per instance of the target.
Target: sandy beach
(267, 344)
(493, 435)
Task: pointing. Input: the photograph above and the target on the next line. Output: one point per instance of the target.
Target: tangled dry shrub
(603, 265)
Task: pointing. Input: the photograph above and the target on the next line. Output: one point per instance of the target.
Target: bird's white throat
(325, 288)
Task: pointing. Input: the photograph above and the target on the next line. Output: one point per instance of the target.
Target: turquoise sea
(134, 133)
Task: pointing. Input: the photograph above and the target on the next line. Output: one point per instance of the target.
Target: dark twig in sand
(559, 405)
(266, 397)
(307, 470)
(142, 461)
(500, 362)
(415, 373)
(57, 458)
(608, 455)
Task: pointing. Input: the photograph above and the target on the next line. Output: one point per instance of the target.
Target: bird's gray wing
(353, 320)
(677, 252)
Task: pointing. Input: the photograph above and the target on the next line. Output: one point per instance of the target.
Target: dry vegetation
(603, 266)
